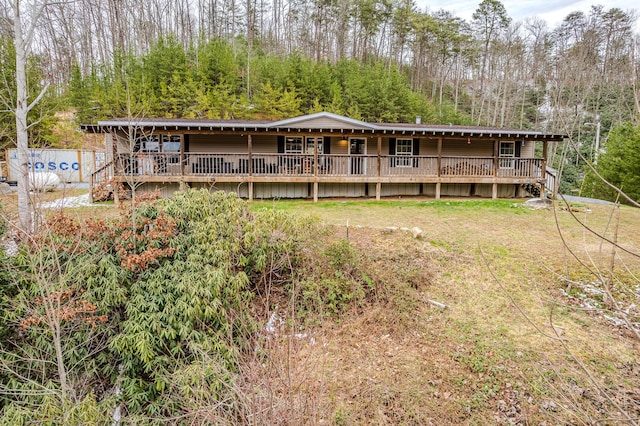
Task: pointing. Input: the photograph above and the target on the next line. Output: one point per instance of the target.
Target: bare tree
(25, 19)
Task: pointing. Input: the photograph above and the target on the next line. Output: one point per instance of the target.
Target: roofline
(347, 120)
(352, 126)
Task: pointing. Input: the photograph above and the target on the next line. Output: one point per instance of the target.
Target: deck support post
(378, 183)
(439, 168)
(182, 157)
(315, 191)
(496, 157)
(494, 191)
(250, 165)
(250, 152)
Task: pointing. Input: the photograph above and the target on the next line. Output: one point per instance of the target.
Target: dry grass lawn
(511, 348)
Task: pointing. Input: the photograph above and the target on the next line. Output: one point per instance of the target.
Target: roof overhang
(317, 123)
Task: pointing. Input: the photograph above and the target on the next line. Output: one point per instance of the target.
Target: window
(311, 145)
(507, 153)
(404, 148)
(293, 145)
(147, 143)
(171, 143)
(158, 143)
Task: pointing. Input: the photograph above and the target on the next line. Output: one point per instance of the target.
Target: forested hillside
(377, 60)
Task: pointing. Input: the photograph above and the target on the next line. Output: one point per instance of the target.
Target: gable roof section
(323, 120)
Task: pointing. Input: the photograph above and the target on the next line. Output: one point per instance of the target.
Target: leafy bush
(120, 309)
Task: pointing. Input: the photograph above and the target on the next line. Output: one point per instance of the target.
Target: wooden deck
(200, 167)
(323, 169)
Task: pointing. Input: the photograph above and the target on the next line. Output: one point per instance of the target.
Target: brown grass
(480, 361)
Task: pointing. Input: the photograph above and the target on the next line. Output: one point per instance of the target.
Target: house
(324, 155)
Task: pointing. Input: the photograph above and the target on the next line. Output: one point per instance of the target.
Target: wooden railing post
(91, 188)
(378, 181)
(315, 170)
(496, 158)
(182, 157)
(439, 166)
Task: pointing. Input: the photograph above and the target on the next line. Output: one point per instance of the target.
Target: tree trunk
(22, 139)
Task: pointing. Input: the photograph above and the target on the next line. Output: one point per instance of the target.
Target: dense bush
(130, 312)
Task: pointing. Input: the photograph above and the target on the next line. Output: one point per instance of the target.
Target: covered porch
(326, 168)
(323, 152)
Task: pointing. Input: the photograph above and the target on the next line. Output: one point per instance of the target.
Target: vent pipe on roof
(418, 119)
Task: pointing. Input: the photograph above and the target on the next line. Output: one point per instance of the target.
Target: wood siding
(348, 190)
(460, 147)
(394, 189)
(326, 123)
(528, 150)
(265, 144)
(218, 144)
(281, 190)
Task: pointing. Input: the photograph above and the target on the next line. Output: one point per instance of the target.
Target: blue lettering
(75, 166)
(39, 165)
(52, 165)
(64, 166)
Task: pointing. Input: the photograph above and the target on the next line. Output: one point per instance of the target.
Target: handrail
(110, 163)
(325, 165)
(92, 178)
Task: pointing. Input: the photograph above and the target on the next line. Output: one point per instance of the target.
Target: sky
(552, 11)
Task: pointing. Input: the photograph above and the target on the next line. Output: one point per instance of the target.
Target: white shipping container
(69, 164)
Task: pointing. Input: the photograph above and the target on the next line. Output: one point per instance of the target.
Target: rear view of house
(324, 155)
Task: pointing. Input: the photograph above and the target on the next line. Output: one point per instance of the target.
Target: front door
(357, 150)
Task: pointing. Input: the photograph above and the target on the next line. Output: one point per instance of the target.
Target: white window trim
(403, 159)
(507, 161)
(316, 140)
(358, 139)
(290, 151)
(362, 161)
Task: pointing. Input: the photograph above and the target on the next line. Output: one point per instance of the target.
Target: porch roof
(322, 122)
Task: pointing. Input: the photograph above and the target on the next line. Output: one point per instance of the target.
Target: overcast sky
(552, 11)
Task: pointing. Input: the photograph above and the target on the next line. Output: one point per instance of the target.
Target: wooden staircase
(100, 183)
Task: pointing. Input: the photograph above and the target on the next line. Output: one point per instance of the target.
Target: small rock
(538, 203)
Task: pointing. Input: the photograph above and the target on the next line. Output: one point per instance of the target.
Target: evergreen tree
(619, 165)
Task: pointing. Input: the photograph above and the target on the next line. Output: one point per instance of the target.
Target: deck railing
(467, 166)
(328, 165)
